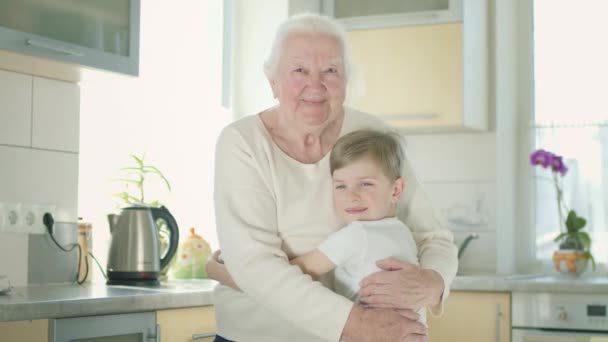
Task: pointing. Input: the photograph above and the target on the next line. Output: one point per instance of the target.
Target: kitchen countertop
(531, 283)
(71, 300)
(67, 300)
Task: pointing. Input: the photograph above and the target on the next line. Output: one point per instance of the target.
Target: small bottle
(85, 240)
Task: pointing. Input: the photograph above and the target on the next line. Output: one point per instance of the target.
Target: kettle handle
(164, 213)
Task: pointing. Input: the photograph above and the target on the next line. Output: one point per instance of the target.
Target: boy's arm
(314, 263)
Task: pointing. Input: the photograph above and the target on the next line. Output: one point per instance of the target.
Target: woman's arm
(216, 270)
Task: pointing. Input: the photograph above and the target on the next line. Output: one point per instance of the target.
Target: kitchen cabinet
(473, 317)
(19, 331)
(187, 324)
(431, 77)
(365, 14)
(97, 34)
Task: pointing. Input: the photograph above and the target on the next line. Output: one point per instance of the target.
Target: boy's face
(362, 192)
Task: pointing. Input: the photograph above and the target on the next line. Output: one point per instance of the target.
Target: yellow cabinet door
(19, 331)
(411, 76)
(187, 325)
(473, 317)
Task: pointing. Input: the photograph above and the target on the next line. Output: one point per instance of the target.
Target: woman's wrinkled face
(363, 192)
(309, 81)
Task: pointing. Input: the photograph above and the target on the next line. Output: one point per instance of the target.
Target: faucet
(466, 242)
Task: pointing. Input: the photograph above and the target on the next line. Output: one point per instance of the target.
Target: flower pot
(570, 261)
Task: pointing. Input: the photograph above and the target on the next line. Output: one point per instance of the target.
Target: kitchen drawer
(187, 324)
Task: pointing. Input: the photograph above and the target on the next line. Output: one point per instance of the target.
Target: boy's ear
(398, 188)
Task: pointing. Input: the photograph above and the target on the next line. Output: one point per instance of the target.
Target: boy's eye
(367, 184)
(299, 70)
(332, 70)
(340, 186)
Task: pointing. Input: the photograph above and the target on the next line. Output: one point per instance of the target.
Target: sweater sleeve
(436, 248)
(248, 234)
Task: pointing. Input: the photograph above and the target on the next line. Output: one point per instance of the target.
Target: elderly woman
(273, 200)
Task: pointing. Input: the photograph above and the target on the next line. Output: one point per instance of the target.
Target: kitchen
(110, 117)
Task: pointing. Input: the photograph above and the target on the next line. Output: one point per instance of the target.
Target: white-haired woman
(273, 201)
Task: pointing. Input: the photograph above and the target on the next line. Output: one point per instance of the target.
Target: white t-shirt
(356, 248)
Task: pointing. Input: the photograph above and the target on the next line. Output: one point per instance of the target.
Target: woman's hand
(379, 325)
(216, 270)
(404, 286)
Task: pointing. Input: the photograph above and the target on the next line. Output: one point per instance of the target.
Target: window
(571, 116)
(172, 112)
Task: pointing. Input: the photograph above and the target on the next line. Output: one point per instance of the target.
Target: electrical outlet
(32, 217)
(12, 212)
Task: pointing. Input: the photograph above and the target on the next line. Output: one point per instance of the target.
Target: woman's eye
(332, 70)
(299, 70)
(339, 187)
(367, 184)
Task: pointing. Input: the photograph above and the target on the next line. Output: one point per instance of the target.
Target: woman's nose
(316, 80)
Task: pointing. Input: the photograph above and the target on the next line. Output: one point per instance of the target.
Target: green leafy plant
(574, 237)
(134, 179)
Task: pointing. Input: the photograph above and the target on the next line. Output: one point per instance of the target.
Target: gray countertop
(66, 300)
(531, 283)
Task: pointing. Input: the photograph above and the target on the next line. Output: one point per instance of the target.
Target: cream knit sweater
(269, 208)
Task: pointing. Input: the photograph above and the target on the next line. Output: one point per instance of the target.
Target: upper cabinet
(98, 34)
(364, 14)
(422, 66)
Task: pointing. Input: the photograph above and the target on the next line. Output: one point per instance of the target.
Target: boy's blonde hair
(383, 147)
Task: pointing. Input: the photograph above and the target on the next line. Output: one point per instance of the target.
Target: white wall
(458, 171)
(39, 165)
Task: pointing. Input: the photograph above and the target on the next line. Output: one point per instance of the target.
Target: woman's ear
(398, 188)
(273, 87)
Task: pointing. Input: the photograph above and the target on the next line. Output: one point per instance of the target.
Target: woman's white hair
(307, 23)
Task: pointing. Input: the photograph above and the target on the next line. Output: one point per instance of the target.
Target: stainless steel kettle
(134, 255)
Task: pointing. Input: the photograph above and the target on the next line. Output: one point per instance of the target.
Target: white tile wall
(459, 174)
(56, 115)
(15, 108)
(453, 157)
(39, 165)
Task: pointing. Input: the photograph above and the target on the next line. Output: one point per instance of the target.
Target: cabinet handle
(410, 116)
(53, 48)
(202, 336)
(498, 315)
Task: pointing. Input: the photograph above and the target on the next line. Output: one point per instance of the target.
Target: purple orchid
(557, 165)
(541, 157)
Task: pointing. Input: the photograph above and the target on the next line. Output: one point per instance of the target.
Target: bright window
(172, 112)
(571, 116)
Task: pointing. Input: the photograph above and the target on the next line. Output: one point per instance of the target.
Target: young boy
(366, 171)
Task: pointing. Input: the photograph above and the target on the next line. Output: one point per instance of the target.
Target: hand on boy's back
(401, 285)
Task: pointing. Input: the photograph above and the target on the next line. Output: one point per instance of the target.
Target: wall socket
(24, 218)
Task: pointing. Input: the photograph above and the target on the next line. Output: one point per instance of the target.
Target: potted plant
(134, 179)
(574, 243)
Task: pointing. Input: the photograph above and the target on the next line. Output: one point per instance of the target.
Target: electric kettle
(134, 255)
